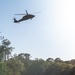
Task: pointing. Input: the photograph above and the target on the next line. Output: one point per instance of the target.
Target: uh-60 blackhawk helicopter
(25, 17)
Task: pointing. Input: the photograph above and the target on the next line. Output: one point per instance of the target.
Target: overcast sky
(50, 34)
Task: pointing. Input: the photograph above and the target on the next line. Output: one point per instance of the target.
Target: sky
(51, 33)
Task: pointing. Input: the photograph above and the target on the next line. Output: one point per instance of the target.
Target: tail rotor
(15, 20)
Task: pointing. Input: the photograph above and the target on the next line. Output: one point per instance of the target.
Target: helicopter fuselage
(26, 17)
(29, 16)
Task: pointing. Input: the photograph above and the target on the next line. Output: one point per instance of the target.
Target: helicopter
(25, 17)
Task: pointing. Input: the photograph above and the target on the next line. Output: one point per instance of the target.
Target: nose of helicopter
(33, 15)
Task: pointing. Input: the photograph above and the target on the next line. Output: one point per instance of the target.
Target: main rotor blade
(19, 14)
(26, 12)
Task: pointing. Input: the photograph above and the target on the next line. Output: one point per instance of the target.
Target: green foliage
(21, 64)
(3, 68)
(5, 49)
(15, 67)
(37, 67)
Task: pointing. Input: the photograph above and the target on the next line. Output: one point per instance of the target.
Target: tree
(27, 56)
(14, 66)
(58, 60)
(1, 48)
(50, 60)
(72, 72)
(24, 55)
(37, 67)
(5, 49)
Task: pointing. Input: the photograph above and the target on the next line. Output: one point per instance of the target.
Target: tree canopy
(21, 64)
